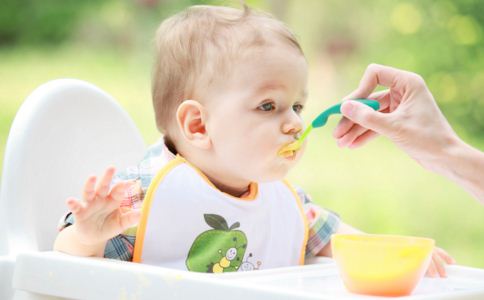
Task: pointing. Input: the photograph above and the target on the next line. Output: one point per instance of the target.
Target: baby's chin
(273, 170)
(275, 175)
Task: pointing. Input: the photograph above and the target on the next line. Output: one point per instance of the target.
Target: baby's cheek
(240, 158)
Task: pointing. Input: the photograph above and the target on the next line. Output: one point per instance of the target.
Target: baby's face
(255, 111)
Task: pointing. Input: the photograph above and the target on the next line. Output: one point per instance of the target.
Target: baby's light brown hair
(196, 47)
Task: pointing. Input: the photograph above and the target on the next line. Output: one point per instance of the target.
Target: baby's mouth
(291, 154)
(289, 150)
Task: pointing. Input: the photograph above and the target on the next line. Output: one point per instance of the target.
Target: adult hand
(410, 117)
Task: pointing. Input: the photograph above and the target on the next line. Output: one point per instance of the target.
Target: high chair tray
(60, 275)
(323, 280)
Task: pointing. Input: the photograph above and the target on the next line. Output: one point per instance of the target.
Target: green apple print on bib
(217, 250)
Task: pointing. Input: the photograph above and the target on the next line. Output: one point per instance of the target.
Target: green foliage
(39, 22)
(445, 44)
(441, 40)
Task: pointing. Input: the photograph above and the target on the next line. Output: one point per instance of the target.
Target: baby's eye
(297, 108)
(269, 106)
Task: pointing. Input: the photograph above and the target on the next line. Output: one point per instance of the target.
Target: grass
(377, 189)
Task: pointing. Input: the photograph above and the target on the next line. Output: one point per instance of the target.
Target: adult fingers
(343, 127)
(367, 117)
(374, 76)
(363, 139)
(345, 124)
(351, 136)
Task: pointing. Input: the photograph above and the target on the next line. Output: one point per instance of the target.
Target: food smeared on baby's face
(289, 150)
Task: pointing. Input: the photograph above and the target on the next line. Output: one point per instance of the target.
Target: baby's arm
(98, 217)
(342, 228)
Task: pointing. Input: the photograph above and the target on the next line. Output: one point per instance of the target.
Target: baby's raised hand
(98, 216)
(437, 266)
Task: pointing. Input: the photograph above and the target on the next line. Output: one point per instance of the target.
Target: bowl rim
(375, 238)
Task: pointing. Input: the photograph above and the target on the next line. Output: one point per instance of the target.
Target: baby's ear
(190, 117)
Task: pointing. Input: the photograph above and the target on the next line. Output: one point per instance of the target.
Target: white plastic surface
(324, 280)
(65, 130)
(7, 264)
(7, 261)
(61, 275)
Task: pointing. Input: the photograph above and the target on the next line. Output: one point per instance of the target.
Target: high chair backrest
(65, 130)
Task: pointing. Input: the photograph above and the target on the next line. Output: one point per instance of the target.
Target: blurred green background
(377, 188)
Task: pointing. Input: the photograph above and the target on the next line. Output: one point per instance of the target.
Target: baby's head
(228, 88)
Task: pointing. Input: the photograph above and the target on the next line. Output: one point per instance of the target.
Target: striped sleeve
(322, 224)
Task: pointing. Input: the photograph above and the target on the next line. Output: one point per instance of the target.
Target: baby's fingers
(439, 259)
(445, 256)
(88, 194)
(439, 265)
(431, 271)
(102, 188)
(130, 218)
(74, 206)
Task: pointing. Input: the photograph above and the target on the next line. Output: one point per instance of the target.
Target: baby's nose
(293, 126)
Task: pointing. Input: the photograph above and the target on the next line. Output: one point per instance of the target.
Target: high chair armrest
(319, 260)
(61, 275)
(47, 274)
(7, 264)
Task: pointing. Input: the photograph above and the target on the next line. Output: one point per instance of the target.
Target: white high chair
(7, 261)
(68, 129)
(64, 131)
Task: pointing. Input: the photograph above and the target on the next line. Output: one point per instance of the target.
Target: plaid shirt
(322, 223)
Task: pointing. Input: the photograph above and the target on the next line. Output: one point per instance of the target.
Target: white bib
(188, 224)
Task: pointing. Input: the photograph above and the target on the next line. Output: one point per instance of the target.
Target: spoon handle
(305, 133)
(336, 109)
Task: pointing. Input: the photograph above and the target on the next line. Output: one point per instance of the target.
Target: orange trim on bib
(145, 207)
(253, 186)
(305, 221)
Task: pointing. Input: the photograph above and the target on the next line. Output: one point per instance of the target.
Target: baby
(229, 86)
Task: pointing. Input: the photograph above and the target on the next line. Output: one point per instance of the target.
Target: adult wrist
(464, 165)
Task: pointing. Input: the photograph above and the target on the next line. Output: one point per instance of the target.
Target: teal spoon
(321, 120)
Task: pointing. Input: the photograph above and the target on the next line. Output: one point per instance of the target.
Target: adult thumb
(365, 116)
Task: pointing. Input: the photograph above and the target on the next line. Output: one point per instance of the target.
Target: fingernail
(349, 109)
(339, 142)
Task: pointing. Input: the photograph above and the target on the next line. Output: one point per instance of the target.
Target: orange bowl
(381, 265)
